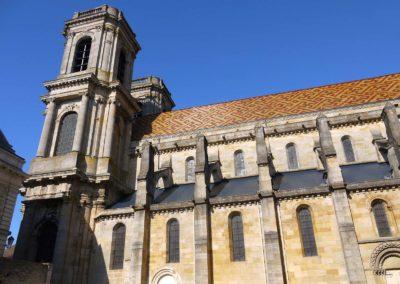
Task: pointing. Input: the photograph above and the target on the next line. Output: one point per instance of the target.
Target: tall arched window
(173, 241)
(291, 154)
(118, 246)
(306, 231)
(189, 171)
(82, 53)
(66, 133)
(121, 67)
(236, 237)
(239, 163)
(348, 149)
(382, 224)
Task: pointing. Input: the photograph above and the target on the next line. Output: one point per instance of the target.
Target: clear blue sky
(206, 51)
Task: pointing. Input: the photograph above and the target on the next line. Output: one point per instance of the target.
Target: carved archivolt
(381, 253)
(166, 272)
(64, 109)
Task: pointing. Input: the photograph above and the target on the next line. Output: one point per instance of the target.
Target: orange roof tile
(269, 106)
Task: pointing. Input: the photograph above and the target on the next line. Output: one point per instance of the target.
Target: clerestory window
(189, 171)
(239, 163)
(291, 154)
(348, 149)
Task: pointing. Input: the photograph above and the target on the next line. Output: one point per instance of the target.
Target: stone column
(139, 267)
(110, 127)
(269, 223)
(348, 237)
(62, 241)
(80, 124)
(202, 222)
(48, 123)
(392, 124)
(67, 53)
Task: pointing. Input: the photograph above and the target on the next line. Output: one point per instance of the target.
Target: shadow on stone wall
(75, 248)
(22, 271)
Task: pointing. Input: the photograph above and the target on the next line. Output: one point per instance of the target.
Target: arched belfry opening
(46, 240)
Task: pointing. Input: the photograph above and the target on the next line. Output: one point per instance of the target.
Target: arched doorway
(167, 279)
(391, 265)
(46, 240)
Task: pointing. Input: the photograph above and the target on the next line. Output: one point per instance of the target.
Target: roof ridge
(284, 92)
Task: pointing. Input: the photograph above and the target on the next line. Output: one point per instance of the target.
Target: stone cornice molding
(374, 185)
(107, 215)
(74, 80)
(234, 201)
(302, 193)
(172, 207)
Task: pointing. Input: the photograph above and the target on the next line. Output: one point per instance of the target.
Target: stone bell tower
(83, 156)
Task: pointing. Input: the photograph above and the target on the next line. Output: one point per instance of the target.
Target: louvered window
(118, 246)
(173, 241)
(381, 220)
(291, 154)
(121, 67)
(66, 133)
(82, 53)
(236, 237)
(348, 149)
(239, 163)
(189, 176)
(307, 232)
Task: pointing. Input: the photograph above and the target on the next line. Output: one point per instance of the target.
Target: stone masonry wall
(328, 266)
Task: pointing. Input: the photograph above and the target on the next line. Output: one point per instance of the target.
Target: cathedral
(295, 187)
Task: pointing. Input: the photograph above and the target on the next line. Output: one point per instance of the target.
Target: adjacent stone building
(11, 177)
(297, 187)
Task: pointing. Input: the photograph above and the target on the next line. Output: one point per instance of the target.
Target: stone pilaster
(47, 127)
(80, 124)
(83, 263)
(139, 267)
(127, 145)
(351, 251)
(202, 226)
(392, 124)
(271, 240)
(62, 242)
(110, 127)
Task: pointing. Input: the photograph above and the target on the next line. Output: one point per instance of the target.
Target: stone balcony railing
(101, 9)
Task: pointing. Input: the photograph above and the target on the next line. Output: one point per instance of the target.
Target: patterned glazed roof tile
(269, 106)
